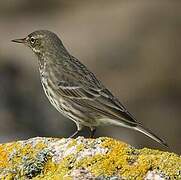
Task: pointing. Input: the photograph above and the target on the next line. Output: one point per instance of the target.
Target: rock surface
(101, 159)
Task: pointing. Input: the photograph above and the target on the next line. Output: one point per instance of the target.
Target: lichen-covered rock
(83, 159)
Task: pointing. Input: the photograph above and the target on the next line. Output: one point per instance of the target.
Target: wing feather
(80, 86)
(99, 100)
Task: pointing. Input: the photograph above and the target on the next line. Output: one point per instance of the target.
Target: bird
(75, 91)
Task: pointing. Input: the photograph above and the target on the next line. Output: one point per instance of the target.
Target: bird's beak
(23, 40)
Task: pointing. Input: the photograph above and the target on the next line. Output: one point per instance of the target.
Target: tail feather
(137, 127)
(150, 134)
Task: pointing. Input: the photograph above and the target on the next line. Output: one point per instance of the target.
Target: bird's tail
(150, 134)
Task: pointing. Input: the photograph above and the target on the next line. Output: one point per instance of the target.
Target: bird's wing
(75, 82)
(100, 100)
(87, 91)
(77, 92)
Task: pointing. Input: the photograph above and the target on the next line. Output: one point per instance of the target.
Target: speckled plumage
(74, 90)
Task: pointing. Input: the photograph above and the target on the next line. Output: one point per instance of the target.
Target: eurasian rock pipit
(74, 90)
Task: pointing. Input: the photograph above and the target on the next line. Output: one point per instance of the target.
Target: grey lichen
(33, 167)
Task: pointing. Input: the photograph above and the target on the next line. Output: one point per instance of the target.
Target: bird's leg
(79, 128)
(74, 134)
(93, 130)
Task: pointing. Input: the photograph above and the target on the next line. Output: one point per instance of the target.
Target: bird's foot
(92, 133)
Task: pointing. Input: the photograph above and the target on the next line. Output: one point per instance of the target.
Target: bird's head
(41, 41)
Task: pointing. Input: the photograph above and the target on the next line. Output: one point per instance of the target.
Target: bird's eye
(32, 40)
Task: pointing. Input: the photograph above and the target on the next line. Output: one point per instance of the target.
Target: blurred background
(132, 46)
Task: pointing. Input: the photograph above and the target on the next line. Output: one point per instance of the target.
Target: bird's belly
(57, 101)
(67, 108)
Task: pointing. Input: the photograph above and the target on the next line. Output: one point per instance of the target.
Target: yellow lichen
(80, 147)
(4, 157)
(119, 158)
(72, 143)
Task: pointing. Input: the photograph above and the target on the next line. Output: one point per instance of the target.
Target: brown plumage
(74, 90)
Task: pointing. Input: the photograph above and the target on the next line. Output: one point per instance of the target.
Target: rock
(83, 159)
